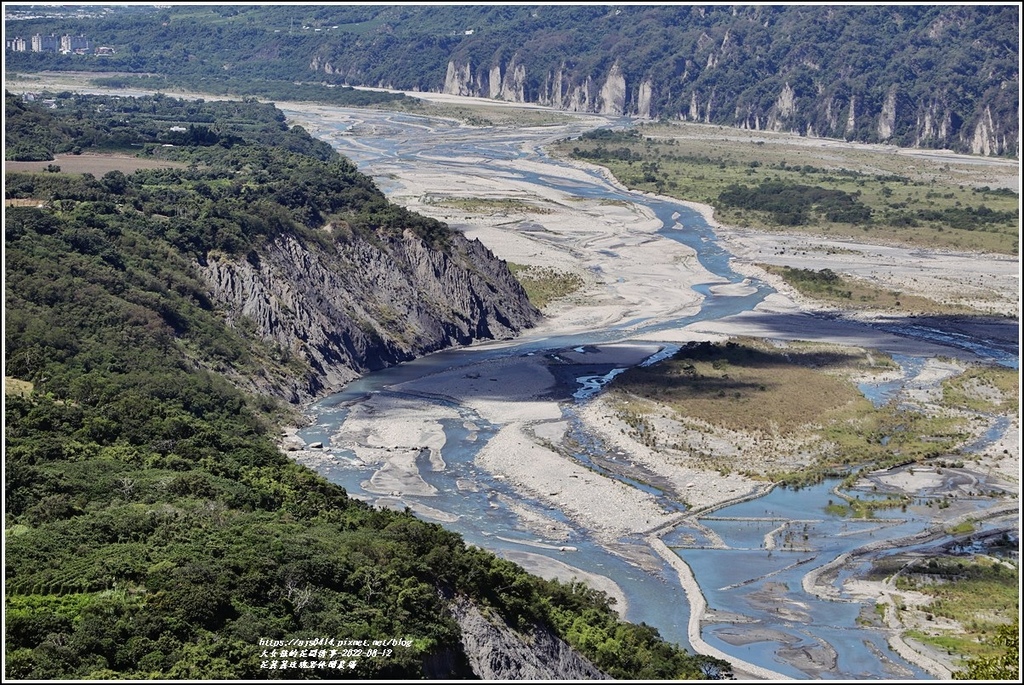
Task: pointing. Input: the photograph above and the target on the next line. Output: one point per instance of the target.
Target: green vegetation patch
(981, 593)
(800, 391)
(746, 386)
(754, 182)
(488, 205)
(855, 507)
(994, 389)
(1004, 664)
(887, 436)
(544, 285)
(796, 204)
(827, 285)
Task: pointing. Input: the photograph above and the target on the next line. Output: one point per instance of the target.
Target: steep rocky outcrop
(940, 77)
(362, 304)
(785, 108)
(496, 652)
(613, 93)
(887, 117)
(643, 105)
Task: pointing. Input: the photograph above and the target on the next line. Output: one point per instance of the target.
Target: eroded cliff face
(496, 652)
(643, 107)
(887, 118)
(510, 83)
(823, 106)
(361, 305)
(613, 93)
(825, 113)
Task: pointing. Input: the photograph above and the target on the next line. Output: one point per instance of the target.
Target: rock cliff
(818, 115)
(939, 77)
(496, 652)
(358, 305)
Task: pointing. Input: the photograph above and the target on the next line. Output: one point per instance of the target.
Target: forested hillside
(285, 236)
(942, 76)
(152, 527)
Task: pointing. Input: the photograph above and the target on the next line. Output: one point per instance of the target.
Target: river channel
(749, 558)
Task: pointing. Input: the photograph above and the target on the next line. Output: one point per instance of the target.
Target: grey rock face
(496, 652)
(362, 305)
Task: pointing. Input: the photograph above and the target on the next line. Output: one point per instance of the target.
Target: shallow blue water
(882, 392)
(999, 351)
(735, 579)
(483, 519)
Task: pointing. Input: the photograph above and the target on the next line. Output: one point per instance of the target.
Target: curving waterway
(750, 559)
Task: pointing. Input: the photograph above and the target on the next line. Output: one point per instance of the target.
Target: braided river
(754, 559)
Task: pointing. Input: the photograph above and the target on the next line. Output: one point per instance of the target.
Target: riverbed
(489, 442)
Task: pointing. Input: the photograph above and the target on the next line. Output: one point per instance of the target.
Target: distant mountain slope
(912, 76)
(941, 76)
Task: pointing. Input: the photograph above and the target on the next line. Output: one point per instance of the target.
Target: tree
(1005, 666)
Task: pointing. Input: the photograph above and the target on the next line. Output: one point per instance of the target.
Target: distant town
(66, 45)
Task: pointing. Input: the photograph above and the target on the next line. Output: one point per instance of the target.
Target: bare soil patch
(97, 165)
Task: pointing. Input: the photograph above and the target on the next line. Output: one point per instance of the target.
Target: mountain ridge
(944, 77)
(745, 67)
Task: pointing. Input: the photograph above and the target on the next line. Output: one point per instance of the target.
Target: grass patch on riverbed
(854, 507)
(544, 285)
(749, 386)
(833, 288)
(770, 181)
(775, 403)
(486, 114)
(979, 593)
(989, 389)
(869, 438)
(487, 205)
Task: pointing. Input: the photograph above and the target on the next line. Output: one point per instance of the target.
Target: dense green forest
(152, 527)
(915, 75)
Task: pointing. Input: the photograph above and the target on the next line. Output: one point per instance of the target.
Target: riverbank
(904, 609)
(742, 670)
